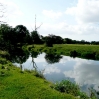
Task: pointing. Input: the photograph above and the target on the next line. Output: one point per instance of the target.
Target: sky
(74, 19)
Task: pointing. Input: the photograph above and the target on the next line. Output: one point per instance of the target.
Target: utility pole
(35, 24)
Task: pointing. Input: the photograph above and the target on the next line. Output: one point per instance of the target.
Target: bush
(67, 86)
(97, 56)
(3, 61)
(88, 55)
(73, 53)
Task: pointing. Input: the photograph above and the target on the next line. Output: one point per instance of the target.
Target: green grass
(15, 84)
(66, 48)
(74, 50)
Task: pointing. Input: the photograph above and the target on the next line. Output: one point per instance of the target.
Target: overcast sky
(75, 19)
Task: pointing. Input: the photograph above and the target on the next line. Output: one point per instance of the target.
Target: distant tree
(68, 41)
(56, 39)
(35, 37)
(49, 41)
(95, 42)
(52, 39)
(82, 41)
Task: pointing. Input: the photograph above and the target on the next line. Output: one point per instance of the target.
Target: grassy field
(17, 84)
(74, 50)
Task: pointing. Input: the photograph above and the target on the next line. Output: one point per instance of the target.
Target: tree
(7, 37)
(22, 34)
(35, 37)
(52, 39)
(68, 41)
(49, 41)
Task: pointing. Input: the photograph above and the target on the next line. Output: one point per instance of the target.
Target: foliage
(35, 37)
(74, 50)
(67, 86)
(88, 55)
(7, 37)
(73, 53)
(48, 41)
(22, 34)
(97, 56)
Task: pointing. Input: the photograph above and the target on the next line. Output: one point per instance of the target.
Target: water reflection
(85, 73)
(52, 58)
(82, 71)
(19, 56)
(34, 54)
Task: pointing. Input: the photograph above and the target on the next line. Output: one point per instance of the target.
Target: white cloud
(51, 69)
(85, 72)
(86, 11)
(11, 10)
(65, 29)
(52, 14)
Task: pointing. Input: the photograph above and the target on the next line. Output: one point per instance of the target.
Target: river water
(82, 71)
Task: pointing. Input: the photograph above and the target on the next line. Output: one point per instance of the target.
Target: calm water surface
(82, 71)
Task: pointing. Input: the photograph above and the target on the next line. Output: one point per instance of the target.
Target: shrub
(97, 56)
(3, 61)
(67, 86)
(73, 53)
(88, 55)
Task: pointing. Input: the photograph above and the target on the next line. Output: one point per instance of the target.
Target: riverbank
(17, 84)
(73, 50)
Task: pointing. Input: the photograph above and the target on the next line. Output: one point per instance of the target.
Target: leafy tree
(52, 39)
(22, 34)
(35, 37)
(49, 41)
(68, 41)
(7, 36)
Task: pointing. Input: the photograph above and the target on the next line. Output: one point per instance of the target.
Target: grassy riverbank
(15, 84)
(74, 50)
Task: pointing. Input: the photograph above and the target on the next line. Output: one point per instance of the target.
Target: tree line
(18, 36)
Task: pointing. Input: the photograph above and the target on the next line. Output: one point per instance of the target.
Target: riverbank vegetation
(12, 37)
(17, 44)
(73, 50)
(30, 84)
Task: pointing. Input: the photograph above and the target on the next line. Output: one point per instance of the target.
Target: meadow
(73, 50)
